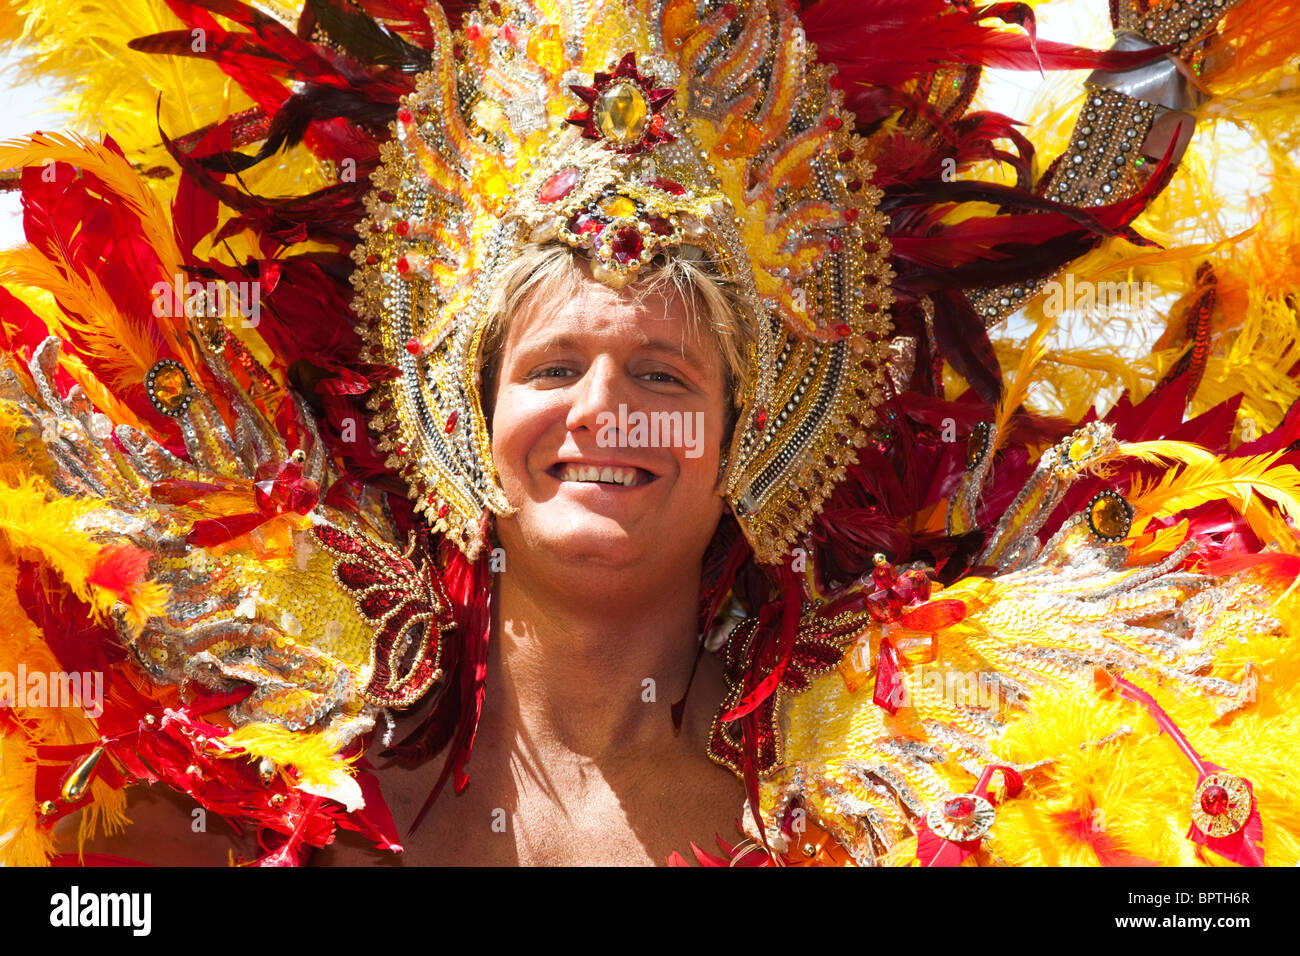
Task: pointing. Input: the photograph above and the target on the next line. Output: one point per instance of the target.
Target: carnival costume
(962, 618)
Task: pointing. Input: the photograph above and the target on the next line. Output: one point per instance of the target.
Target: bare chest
(517, 812)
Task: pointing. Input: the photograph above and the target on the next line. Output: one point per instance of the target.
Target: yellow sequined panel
(1013, 684)
(212, 569)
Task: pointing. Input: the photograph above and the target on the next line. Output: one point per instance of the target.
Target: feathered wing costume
(965, 619)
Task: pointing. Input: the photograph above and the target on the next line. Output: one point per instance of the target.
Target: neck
(591, 674)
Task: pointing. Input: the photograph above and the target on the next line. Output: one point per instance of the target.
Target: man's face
(592, 491)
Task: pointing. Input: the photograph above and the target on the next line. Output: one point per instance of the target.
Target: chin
(590, 540)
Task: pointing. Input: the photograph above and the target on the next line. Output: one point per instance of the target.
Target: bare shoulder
(167, 828)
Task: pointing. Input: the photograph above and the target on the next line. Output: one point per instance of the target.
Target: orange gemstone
(1110, 517)
(618, 207)
(1081, 446)
(171, 388)
(679, 22)
(742, 138)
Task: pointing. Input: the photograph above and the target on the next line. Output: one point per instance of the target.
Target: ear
(718, 485)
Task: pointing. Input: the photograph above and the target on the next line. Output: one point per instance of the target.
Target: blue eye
(665, 377)
(551, 371)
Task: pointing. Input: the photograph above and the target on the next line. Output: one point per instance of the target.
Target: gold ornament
(625, 130)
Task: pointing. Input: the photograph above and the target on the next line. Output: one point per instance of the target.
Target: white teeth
(608, 475)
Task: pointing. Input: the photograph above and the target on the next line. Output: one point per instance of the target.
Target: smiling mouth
(624, 476)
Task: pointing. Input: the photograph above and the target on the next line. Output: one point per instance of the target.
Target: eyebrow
(660, 346)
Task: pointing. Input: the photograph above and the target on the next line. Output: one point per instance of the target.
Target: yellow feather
(312, 755)
(121, 343)
(1014, 396)
(1157, 452)
(1236, 480)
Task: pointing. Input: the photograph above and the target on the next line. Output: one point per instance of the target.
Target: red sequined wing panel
(405, 604)
(819, 644)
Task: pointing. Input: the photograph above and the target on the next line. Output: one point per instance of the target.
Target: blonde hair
(551, 269)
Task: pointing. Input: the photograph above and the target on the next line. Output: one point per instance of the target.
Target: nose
(601, 389)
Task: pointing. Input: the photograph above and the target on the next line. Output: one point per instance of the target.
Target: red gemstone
(280, 488)
(959, 808)
(846, 156)
(760, 417)
(584, 223)
(508, 33)
(403, 266)
(443, 510)
(627, 245)
(451, 422)
(884, 606)
(413, 346)
(836, 243)
(851, 215)
(871, 248)
(372, 260)
(834, 122)
(884, 577)
(472, 33)
(664, 184)
(914, 586)
(402, 227)
(404, 115)
(854, 185)
(660, 226)
(560, 185)
(1214, 800)
(729, 10)
(843, 330)
(386, 195)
